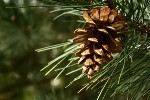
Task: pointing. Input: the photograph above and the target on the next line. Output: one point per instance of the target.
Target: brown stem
(143, 28)
(139, 26)
(110, 3)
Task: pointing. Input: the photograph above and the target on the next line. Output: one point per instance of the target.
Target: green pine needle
(53, 47)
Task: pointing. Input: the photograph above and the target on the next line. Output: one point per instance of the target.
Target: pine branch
(126, 71)
(140, 26)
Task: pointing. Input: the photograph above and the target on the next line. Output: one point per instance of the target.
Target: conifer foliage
(113, 42)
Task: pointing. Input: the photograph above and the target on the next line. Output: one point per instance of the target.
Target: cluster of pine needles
(128, 71)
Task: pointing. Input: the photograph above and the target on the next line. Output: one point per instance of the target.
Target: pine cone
(99, 40)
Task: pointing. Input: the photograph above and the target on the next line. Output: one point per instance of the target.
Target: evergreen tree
(106, 53)
(117, 32)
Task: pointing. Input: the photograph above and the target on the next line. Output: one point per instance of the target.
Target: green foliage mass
(128, 73)
(26, 25)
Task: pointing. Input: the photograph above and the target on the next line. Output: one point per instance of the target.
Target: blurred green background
(22, 31)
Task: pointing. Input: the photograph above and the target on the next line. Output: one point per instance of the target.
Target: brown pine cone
(99, 40)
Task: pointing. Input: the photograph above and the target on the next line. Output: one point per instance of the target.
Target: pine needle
(66, 67)
(76, 79)
(67, 12)
(60, 10)
(74, 71)
(59, 57)
(121, 72)
(55, 65)
(63, 70)
(83, 88)
(53, 47)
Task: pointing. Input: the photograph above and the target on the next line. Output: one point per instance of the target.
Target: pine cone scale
(104, 12)
(93, 39)
(87, 18)
(94, 14)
